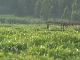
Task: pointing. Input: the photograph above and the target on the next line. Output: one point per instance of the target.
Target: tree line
(45, 9)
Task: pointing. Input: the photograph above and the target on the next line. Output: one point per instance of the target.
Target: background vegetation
(44, 9)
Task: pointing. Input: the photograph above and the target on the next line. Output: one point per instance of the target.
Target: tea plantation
(35, 42)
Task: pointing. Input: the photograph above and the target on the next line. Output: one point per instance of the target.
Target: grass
(35, 42)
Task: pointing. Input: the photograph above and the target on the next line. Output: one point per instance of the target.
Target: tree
(66, 14)
(46, 9)
(37, 8)
(76, 10)
(29, 6)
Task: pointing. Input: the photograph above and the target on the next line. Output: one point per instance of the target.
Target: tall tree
(37, 8)
(29, 6)
(76, 10)
(66, 14)
(46, 9)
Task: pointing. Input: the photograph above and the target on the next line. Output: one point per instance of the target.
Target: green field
(35, 42)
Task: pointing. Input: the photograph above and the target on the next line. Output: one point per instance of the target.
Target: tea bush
(24, 42)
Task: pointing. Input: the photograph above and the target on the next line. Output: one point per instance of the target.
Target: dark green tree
(76, 10)
(37, 8)
(46, 9)
(66, 14)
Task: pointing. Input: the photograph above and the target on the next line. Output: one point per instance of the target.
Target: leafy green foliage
(25, 42)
